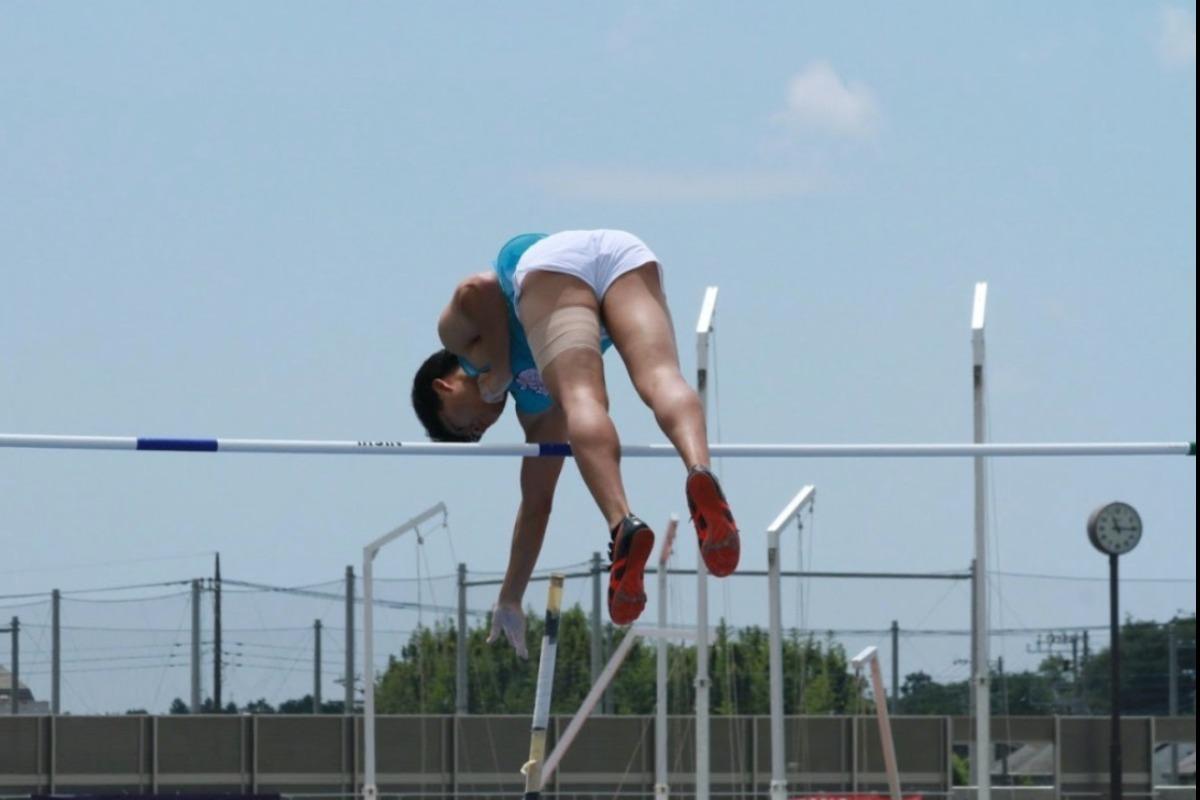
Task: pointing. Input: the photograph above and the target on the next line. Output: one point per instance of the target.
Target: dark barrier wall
(444, 756)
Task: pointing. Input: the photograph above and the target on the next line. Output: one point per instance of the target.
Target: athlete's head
(448, 402)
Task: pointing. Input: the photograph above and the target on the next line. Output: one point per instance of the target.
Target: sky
(242, 221)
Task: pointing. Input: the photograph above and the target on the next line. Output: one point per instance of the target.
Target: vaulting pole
(545, 685)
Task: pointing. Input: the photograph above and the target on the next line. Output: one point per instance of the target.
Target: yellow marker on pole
(545, 685)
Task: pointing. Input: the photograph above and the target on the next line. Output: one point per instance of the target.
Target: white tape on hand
(509, 621)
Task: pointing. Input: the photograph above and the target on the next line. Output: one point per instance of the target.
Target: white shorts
(595, 257)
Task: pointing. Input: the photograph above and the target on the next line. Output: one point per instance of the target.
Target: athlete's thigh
(575, 379)
(635, 313)
(543, 291)
(575, 374)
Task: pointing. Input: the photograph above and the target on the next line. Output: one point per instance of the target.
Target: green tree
(1144, 668)
(921, 694)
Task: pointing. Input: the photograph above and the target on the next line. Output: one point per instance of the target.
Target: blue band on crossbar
(185, 445)
(554, 449)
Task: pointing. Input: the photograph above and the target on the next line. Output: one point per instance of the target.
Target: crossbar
(551, 450)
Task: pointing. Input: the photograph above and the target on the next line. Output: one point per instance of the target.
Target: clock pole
(1115, 776)
(1114, 539)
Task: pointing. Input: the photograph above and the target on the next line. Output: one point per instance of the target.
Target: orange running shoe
(720, 544)
(632, 542)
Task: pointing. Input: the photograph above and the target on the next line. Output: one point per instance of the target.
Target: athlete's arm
(475, 325)
(539, 477)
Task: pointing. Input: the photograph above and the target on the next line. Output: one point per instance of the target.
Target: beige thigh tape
(562, 330)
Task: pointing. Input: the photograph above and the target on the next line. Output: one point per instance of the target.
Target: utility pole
(16, 666)
(1056, 646)
(316, 709)
(895, 667)
(15, 674)
(349, 693)
(55, 652)
(217, 637)
(1173, 693)
(1004, 758)
(196, 699)
(462, 703)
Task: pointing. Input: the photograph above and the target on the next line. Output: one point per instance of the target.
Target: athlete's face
(464, 410)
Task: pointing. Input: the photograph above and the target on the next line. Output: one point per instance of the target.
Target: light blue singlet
(528, 390)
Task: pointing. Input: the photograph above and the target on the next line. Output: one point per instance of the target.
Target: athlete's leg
(575, 379)
(635, 312)
(636, 315)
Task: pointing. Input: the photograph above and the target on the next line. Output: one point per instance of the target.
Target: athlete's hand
(509, 619)
(493, 384)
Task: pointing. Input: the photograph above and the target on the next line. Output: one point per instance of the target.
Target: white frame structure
(870, 658)
(981, 763)
(803, 499)
(662, 788)
(704, 330)
(370, 788)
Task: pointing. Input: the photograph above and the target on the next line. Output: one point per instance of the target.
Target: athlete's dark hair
(426, 401)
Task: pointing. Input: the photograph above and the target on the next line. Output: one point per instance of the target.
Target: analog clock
(1115, 528)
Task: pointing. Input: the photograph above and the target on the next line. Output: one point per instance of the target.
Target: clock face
(1115, 528)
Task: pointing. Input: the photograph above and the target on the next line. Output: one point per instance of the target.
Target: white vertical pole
(661, 788)
(981, 764)
(703, 331)
(792, 510)
(778, 764)
(370, 791)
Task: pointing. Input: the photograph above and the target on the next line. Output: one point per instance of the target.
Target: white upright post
(370, 790)
(778, 762)
(703, 331)
(981, 764)
(661, 788)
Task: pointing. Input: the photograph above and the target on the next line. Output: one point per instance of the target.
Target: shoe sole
(629, 597)
(721, 545)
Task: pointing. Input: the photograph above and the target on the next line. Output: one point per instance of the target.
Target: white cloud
(647, 186)
(1177, 38)
(818, 99)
